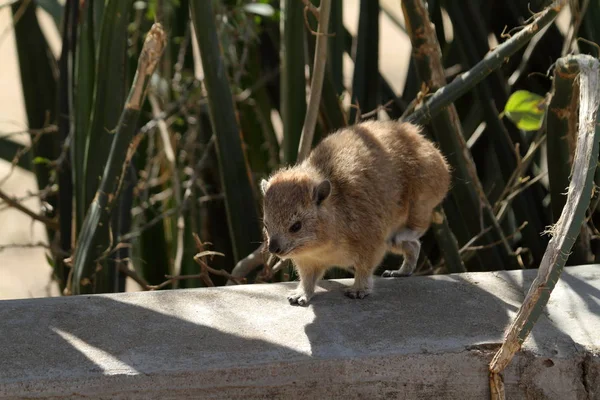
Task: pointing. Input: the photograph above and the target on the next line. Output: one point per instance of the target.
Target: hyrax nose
(274, 246)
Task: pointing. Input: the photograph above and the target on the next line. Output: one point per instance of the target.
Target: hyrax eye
(296, 227)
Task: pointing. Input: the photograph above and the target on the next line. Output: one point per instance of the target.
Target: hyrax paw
(396, 273)
(355, 293)
(299, 298)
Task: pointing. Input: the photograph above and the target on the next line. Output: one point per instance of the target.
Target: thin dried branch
(312, 112)
(205, 269)
(49, 222)
(42, 194)
(374, 112)
(522, 164)
(124, 269)
(186, 197)
(469, 247)
(170, 156)
(35, 245)
(248, 264)
(577, 15)
(33, 132)
(564, 233)
(459, 86)
(308, 6)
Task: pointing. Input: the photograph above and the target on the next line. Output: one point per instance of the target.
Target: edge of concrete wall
(414, 338)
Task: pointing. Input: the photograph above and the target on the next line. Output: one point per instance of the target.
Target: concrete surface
(414, 338)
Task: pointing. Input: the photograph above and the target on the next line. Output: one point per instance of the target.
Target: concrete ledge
(415, 338)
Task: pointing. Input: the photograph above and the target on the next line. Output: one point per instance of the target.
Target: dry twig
(316, 86)
(49, 222)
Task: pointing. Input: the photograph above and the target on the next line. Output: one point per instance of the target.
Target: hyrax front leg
(306, 287)
(363, 273)
(363, 284)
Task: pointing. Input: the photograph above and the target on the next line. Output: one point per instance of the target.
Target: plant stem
(316, 86)
(494, 59)
(242, 211)
(97, 221)
(427, 55)
(569, 224)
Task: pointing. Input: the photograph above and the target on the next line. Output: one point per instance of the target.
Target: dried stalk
(447, 127)
(568, 226)
(494, 59)
(95, 239)
(316, 86)
(170, 156)
(49, 222)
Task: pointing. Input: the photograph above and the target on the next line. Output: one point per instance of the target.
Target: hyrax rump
(363, 191)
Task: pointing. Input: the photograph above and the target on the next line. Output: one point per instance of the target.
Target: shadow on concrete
(48, 341)
(421, 314)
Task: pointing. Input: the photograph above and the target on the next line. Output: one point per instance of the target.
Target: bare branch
(170, 156)
(49, 222)
(316, 86)
(468, 247)
(248, 264)
(32, 132)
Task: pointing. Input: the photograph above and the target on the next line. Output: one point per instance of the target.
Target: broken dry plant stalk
(561, 128)
(447, 129)
(316, 86)
(170, 156)
(568, 226)
(493, 60)
(247, 264)
(205, 270)
(14, 203)
(446, 241)
(97, 222)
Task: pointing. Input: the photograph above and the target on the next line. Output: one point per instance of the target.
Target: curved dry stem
(316, 86)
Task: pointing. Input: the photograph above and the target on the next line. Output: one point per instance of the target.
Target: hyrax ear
(264, 185)
(322, 191)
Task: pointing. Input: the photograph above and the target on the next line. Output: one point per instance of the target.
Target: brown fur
(384, 177)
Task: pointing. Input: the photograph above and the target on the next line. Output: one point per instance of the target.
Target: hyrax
(363, 191)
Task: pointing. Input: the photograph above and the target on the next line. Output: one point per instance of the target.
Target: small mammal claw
(354, 293)
(397, 273)
(297, 297)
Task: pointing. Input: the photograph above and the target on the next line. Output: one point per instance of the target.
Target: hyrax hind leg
(410, 250)
(406, 240)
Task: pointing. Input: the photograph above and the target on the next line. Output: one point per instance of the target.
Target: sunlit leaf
(41, 161)
(526, 110)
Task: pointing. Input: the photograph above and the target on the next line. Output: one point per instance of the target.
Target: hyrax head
(293, 213)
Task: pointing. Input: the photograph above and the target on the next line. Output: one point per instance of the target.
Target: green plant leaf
(242, 213)
(526, 110)
(41, 161)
